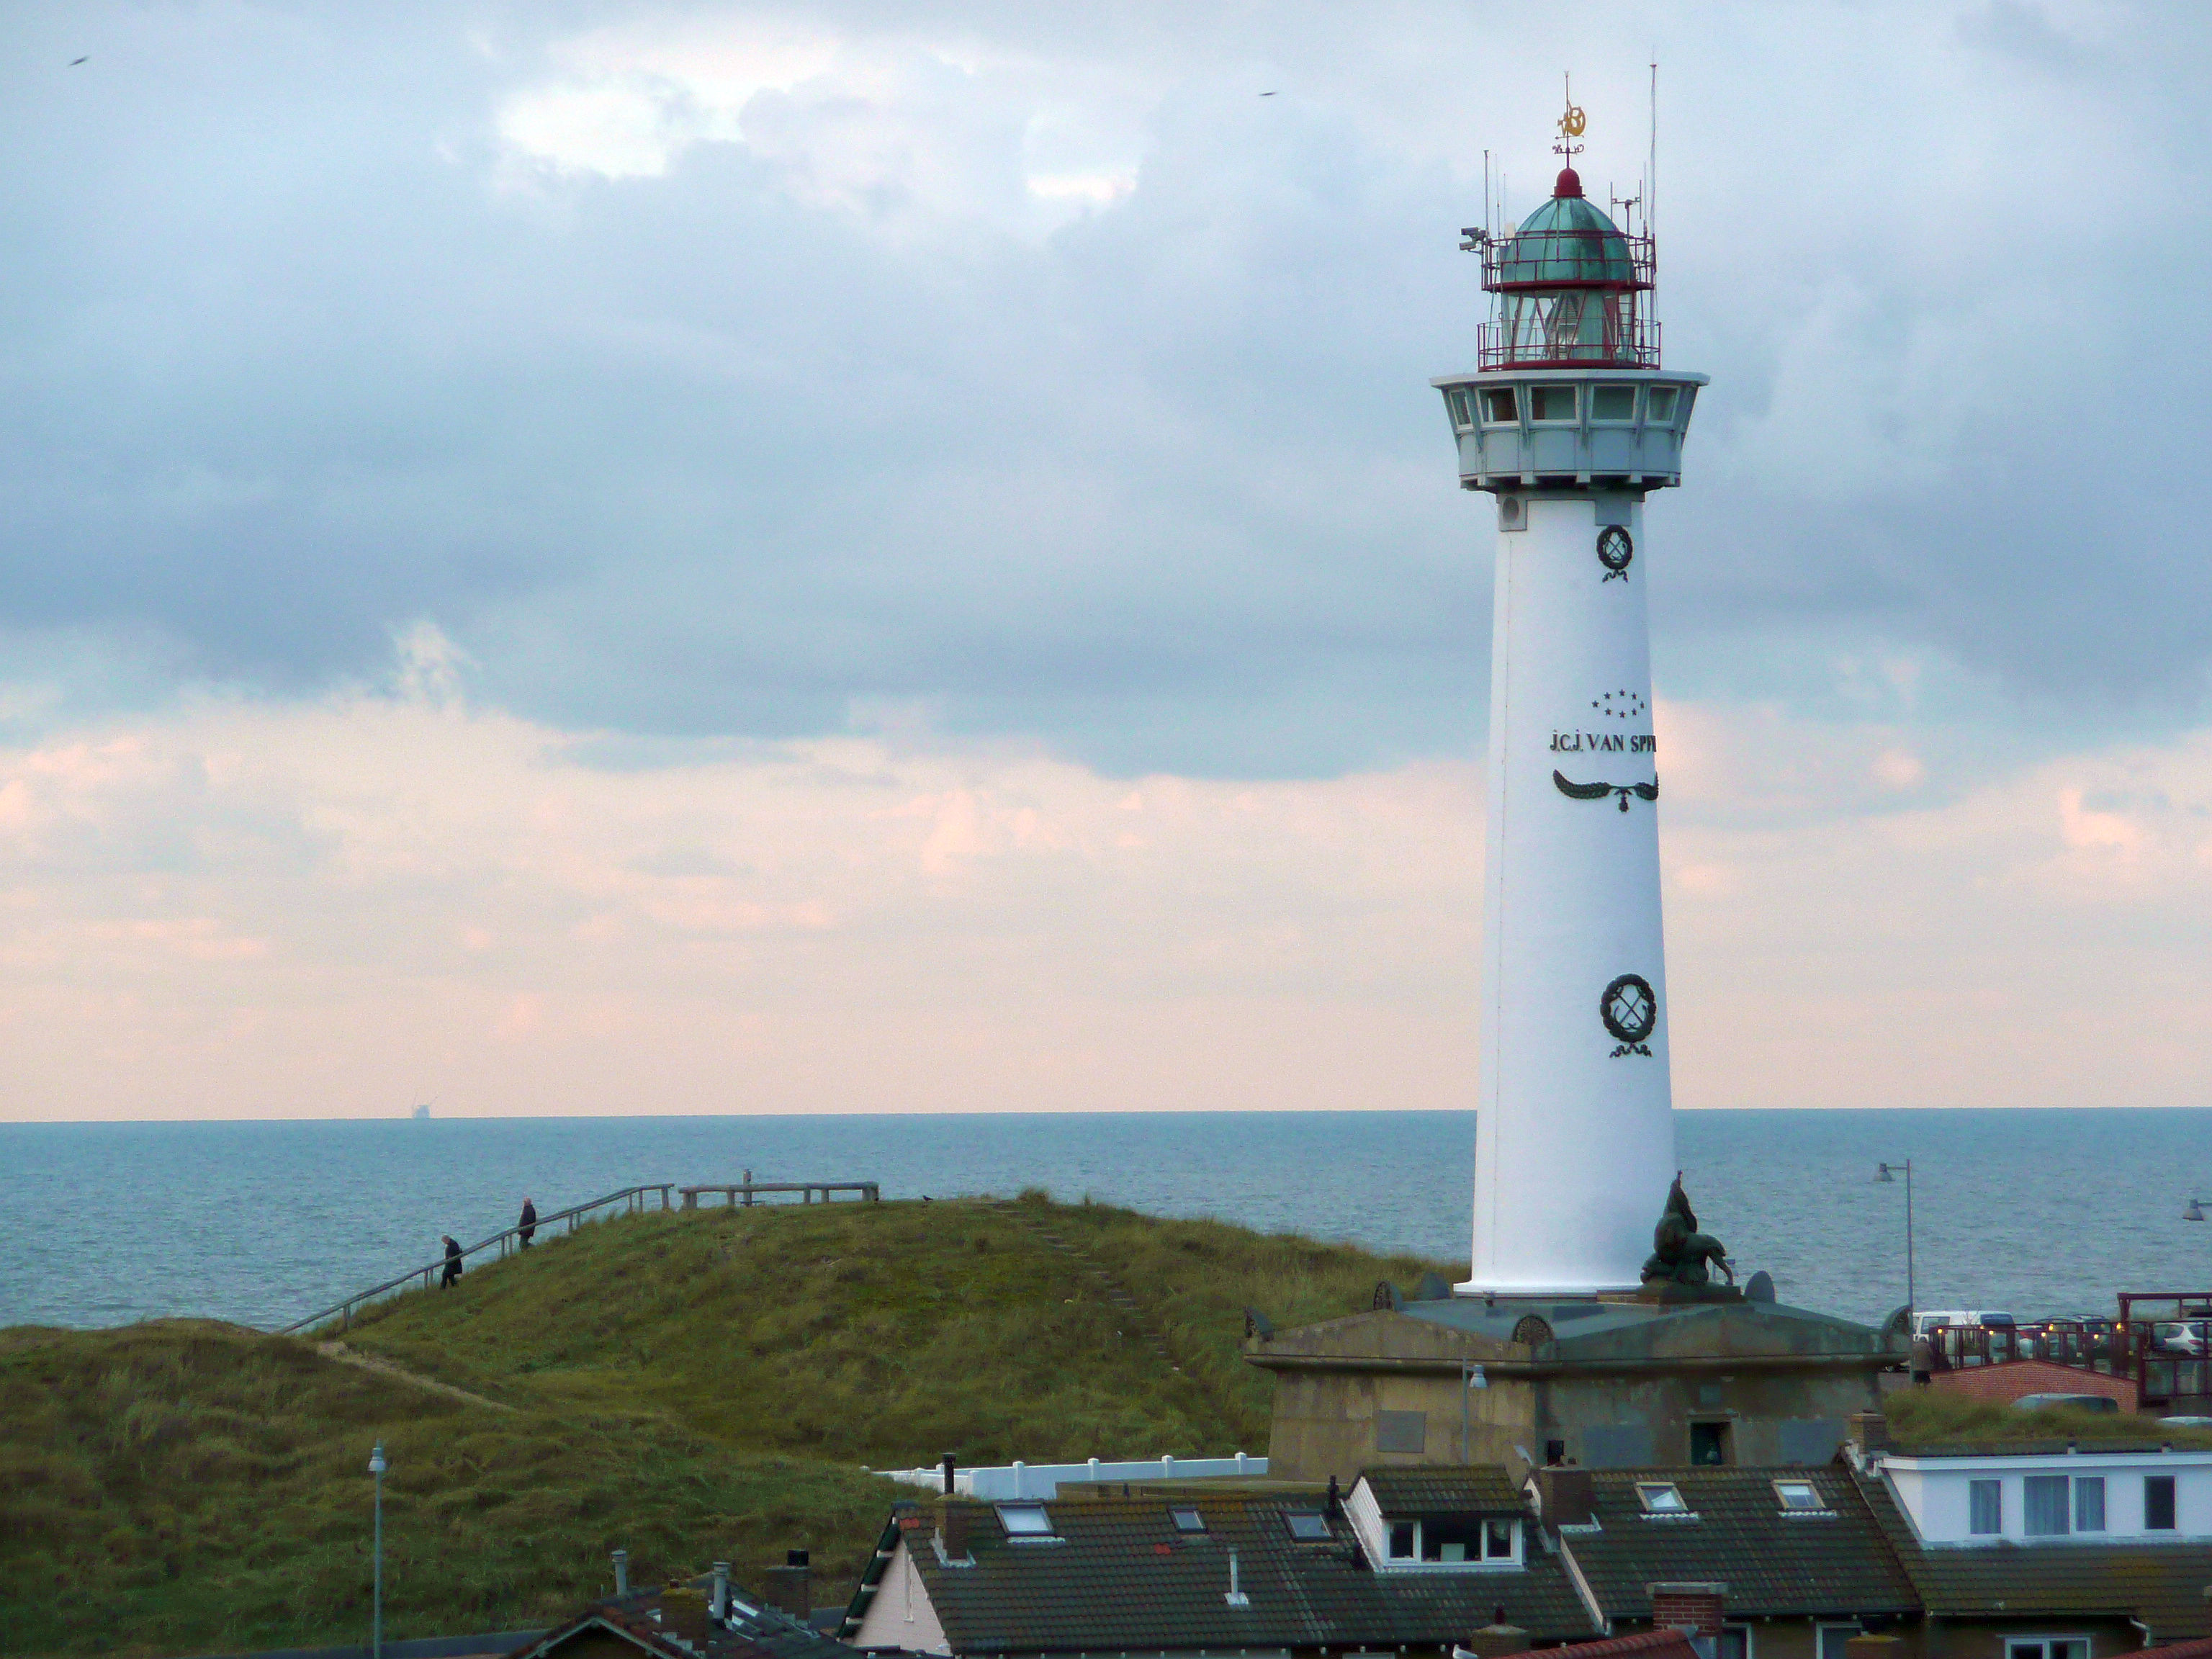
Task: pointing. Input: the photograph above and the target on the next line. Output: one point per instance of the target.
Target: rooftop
(1119, 1574)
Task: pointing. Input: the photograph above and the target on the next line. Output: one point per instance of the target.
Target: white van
(1927, 1320)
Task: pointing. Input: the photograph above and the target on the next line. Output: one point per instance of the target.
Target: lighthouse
(1568, 424)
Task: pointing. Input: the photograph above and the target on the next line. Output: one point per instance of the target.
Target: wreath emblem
(1615, 548)
(1600, 791)
(1630, 1010)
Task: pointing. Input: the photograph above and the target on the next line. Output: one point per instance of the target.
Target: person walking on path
(452, 1263)
(528, 1225)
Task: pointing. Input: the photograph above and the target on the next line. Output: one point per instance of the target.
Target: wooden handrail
(868, 1190)
(344, 1309)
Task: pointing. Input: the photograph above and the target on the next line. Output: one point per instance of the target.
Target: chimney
(1695, 1607)
(949, 1472)
(721, 1601)
(622, 1572)
(953, 1528)
(1567, 1496)
(1866, 1432)
(1495, 1640)
(790, 1587)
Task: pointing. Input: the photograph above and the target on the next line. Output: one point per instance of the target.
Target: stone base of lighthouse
(1610, 1382)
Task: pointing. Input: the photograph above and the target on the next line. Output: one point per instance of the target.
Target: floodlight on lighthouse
(1568, 420)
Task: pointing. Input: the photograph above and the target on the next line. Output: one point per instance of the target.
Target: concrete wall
(1333, 1422)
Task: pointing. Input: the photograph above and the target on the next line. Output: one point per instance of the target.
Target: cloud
(713, 370)
(305, 909)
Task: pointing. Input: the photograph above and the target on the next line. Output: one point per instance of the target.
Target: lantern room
(1569, 283)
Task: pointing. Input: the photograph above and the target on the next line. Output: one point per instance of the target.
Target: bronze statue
(1679, 1252)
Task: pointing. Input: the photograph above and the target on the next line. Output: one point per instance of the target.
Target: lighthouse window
(1612, 403)
(1660, 404)
(1456, 401)
(1551, 403)
(1498, 406)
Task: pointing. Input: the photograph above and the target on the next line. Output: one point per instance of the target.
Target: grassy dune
(889, 1333)
(686, 1387)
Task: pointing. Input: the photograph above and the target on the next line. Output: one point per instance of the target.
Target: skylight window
(1188, 1520)
(1661, 1497)
(1799, 1496)
(1308, 1526)
(1024, 1519)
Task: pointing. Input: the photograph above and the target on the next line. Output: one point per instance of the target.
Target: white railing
(1041, 1480)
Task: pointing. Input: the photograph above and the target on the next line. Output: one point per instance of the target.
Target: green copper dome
(1564, 241)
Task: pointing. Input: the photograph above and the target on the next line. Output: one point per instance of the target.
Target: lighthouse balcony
(1560, 427)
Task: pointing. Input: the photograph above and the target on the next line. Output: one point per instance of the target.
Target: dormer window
(1661, 1498)
(1187, 1520)
(1308, 1526)
(1024, 1520)
(1441, 1540)
(1801, 1498)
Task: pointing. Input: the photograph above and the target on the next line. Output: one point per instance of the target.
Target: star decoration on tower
(1621, 705)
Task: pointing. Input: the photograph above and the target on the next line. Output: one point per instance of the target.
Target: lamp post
(376, 1466)
(1882, 1173)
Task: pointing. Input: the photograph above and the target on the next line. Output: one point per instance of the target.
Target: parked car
(1926, 1320)
(2191, 1337)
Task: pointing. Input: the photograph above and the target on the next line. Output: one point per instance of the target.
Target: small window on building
(1612, 403)
(1661, 1497)
(1551, 403)
(2158, 1503)
(1802, 1497)
(1308, 1526)
(1835, 1640)
(2043, 1647)
(1985, 1507)
(1709, 1445)
(1024, 1519)
(2046, 1506)
(2089, 1504)
(1498, 406)
(1659, 404)
(1405, 1541)
(1188, 1520)
(1462, 414)
(1498, 1541)
(1734, 1643)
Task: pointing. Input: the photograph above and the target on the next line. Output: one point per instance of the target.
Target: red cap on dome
(1571, 182)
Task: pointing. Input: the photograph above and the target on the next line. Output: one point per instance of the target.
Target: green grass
(1930, 1416)
(888, 1335)
(688, 1387)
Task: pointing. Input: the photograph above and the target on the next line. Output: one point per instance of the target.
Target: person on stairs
(528, 1225)
(452, 1263)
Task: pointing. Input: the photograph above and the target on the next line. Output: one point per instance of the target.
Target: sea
(2032, 1212)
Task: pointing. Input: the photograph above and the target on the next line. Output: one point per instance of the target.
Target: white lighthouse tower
(1568, 422)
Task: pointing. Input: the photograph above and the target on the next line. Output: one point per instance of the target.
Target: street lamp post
(376, 1466)
(1883, 1173)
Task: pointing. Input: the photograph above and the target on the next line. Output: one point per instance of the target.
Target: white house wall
(900, 1615)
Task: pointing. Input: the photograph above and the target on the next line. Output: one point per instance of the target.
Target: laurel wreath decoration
(1600, 791)
(1615, 548)
(1630, 1009)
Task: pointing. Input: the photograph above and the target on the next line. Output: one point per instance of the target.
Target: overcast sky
(874, 557)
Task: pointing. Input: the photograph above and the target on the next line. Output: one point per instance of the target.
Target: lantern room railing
(1569, 259)
(1630, 342)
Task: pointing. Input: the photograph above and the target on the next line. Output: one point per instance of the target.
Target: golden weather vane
(1572, 125)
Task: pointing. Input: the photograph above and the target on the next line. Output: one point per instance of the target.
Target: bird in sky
(1264, 94)
(73, 62)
